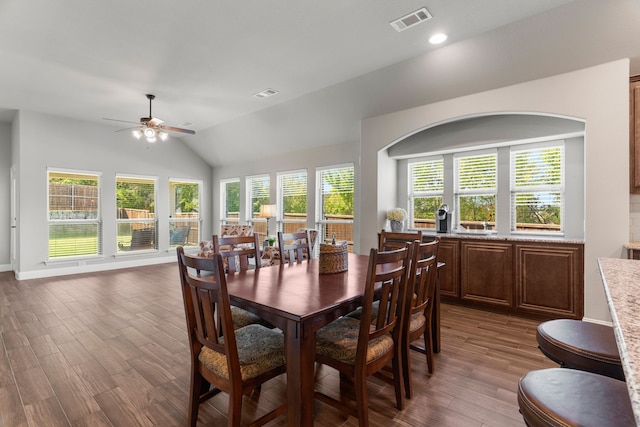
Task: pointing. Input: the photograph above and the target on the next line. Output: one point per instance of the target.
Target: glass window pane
(230, 193)
(74, 214)
(474, 211)
(259, 193)
(424, 211)
(184, 222)
(335, 204)
(292, 202)
(136, 219)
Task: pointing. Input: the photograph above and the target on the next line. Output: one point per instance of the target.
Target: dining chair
(200, 264)
(419, 307)
(294, 247)
(234, 362)
(237, 251)
(358, 348)
(389, 240)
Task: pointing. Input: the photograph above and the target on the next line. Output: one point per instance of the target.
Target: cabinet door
(487, 272)
(549, 279)
(449, 274)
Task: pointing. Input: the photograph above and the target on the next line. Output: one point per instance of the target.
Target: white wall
(598, 95)
(5, 193)
(47, 141)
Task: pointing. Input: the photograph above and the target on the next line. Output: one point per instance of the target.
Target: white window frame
(282, 178)
(151, 222)
(249, 199)
(483, 191)
(195, 222)
(321, 223)
(76, 221)
(539, 188)
(224, 219)
(437, 191)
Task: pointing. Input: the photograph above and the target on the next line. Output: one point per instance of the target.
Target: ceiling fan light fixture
(163, 136)
(151, 139)
(137, 133)
(149, 132)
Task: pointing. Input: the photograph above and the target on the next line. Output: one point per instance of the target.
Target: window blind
(427, 177)
(476, 173)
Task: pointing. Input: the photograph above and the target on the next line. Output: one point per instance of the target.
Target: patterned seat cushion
(259, 349)
(242, 318)
(339, 340)
(417, 320)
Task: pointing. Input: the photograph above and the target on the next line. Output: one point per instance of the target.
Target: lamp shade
(268, 211)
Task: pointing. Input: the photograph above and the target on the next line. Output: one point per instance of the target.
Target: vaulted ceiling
(333, 62)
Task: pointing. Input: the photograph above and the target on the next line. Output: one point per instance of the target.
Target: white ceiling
(334, 62)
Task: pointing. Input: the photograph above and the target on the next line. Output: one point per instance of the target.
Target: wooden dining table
(299, 301)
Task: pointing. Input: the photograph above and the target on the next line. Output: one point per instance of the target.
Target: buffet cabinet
(536, 278)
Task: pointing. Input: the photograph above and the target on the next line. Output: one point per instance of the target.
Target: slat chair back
(422, 284)
(210, 326)
(389, 240)
(387, 282)
(294, 246)
(237, 251)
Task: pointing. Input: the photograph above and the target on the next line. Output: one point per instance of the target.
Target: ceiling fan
(150, 127)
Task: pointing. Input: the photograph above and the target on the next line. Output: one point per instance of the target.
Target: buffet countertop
(621, 278)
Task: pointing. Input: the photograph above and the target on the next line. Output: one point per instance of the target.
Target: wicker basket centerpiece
(333, 258)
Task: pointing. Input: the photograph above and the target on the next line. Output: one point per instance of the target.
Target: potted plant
(397, 217)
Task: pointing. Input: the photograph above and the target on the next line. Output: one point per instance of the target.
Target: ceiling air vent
(265, 93)
(414, 18)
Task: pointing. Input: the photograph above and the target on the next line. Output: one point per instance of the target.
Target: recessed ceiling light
(437, 38)
(265, 93)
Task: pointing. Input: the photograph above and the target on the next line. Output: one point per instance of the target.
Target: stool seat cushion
(567, 397)
(581, 345)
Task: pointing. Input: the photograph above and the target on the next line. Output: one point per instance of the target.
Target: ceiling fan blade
(153, 122)
(181, 130)
(123, 121)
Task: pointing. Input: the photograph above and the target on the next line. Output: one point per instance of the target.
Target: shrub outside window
(74, 214)
(537, 189)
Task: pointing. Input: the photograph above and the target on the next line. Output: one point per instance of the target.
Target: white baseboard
(599, 322)
(90, 268)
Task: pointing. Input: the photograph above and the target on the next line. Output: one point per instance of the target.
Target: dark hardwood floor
(110, 349)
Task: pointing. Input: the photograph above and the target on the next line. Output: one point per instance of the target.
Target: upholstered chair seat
(339, 340)
(260, 350)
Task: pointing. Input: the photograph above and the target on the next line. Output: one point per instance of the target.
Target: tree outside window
(184, 218)
(426, 186)
(230, 201)
(335, 203)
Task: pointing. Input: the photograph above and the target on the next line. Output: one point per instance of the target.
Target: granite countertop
(621, 278)
(482, 235)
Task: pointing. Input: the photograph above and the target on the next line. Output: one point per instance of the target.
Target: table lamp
(268, 212)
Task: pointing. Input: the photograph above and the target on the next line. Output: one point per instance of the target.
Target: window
(475, 190)
(230, 201)
(258, 188)
(184, 208)
(335, 188)
(426, 186)
(74, 214)
(537, 188)
(292, 201)
(135, 216)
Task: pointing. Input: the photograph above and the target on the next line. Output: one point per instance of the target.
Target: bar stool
(566, 397)
(581, 345)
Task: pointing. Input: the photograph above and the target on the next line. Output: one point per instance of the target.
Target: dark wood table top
(298, 292)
